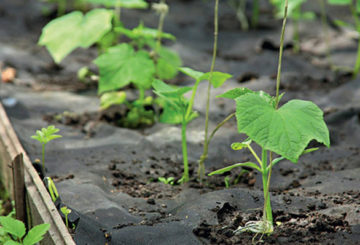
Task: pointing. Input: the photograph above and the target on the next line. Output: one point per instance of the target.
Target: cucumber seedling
(177, 110)
(44, 136)
(13, 232)
(285, 130)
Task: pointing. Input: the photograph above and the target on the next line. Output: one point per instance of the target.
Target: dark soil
(109, 174)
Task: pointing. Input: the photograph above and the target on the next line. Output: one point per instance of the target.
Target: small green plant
(44, 136)
(13, 232)
(167, 181)
(285, 130)
(177, 110)
(355, 11)
(296, 14)
(227, 182)
(66, 211)
(137, 62)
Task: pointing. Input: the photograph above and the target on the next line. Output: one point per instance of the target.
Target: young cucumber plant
(285, 130)
(296, 14)
(354, 6)
(44, 136)
(177, 110)
(13, 232)
(138, 62)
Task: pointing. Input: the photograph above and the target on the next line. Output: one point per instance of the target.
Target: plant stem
(201, 168)
(43, 157)
(325, 30)
(278, 78)
(185, 177)
(219, 126)
(160, 27)
(255, 14)
(118, 13)
(265, 180)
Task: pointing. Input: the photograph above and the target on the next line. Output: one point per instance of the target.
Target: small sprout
(167, 181)
(66, 211)
(227, 182)
(44, 136)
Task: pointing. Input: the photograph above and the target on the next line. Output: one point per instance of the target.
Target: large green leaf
(121, 65)
(132, 4)
(167, 64)
(13, 226)
(285, 131)
(36, 234)
(64, 34)
(217, 79)
(191, 73)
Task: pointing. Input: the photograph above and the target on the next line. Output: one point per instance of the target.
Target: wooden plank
(19, 187)
(42, 209)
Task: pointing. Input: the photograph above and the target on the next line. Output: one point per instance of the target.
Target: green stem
(66, 221)
(201, 169)
(265, 180)
(185, 177)
(219, 126)
(141, 94)
(43, 158)
(278, 78)
(325, 30)
(255, 14)
(118, 13)
(160, 27)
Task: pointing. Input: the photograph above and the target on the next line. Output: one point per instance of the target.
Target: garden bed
(110, 174)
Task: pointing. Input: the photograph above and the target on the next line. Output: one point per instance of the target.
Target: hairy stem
(185, 177)
(201, 169)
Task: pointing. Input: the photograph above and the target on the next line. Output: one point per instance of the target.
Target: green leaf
(121, 65)
(112, 98)
(234, 93)
(167, 64)
(226, 169)
(11, 242)
(218, 78)
(340, 2)
(13, 226)
(46, 134)
(169, 91)
(132, 4)
(239, 146)
(237, 92)
(143, 32)
(191, 73)
(286, 131)
(36, 234)
(64, 34)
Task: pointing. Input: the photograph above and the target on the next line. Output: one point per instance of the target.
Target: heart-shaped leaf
(285, 131)
(121, 65)
(64, 34)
